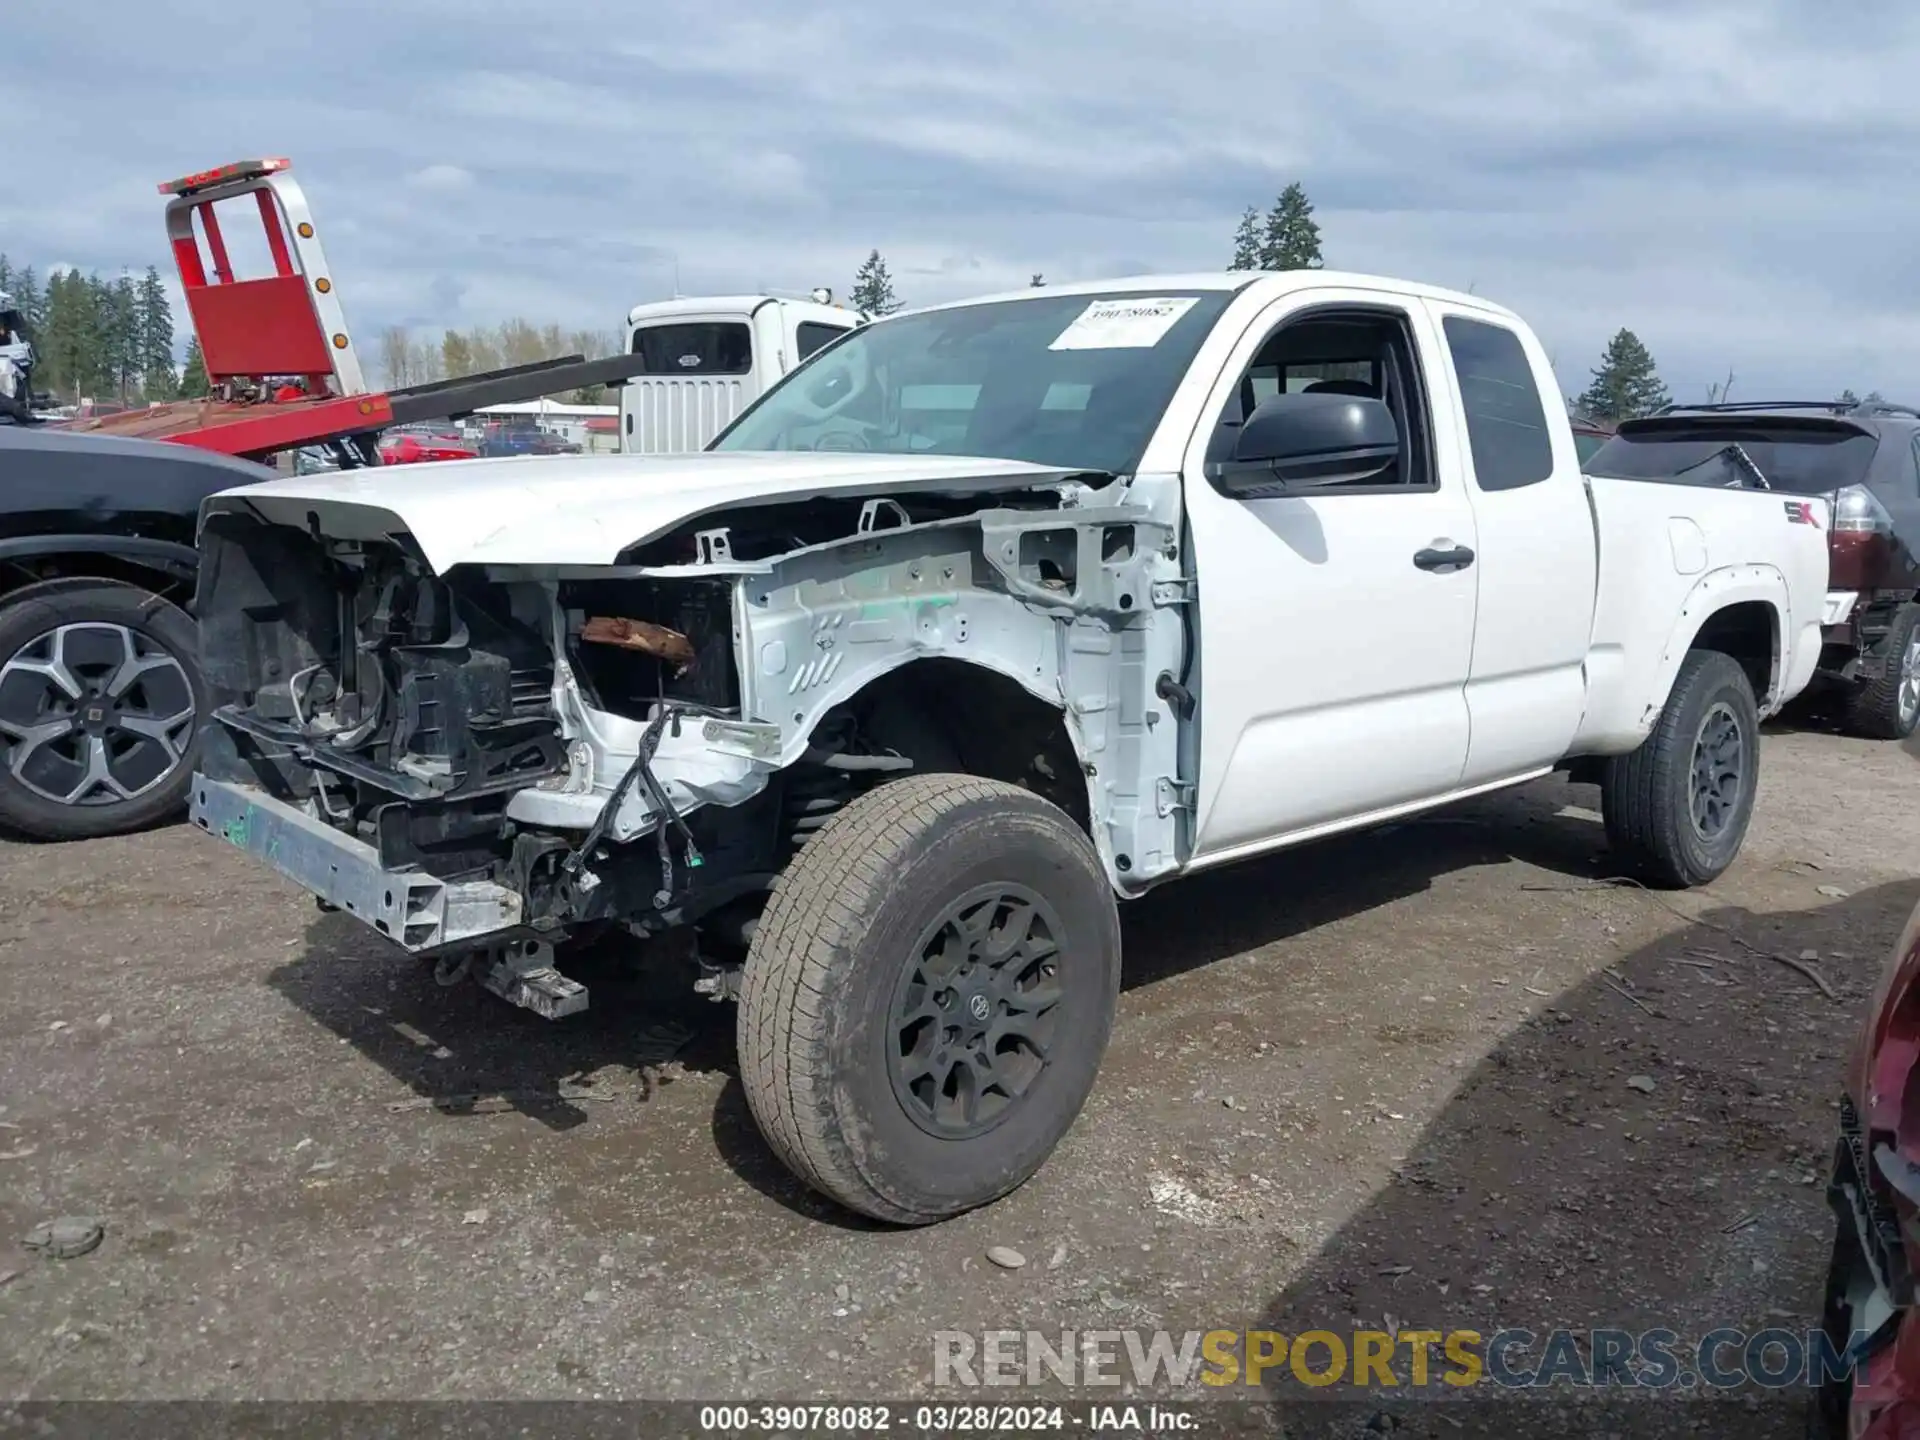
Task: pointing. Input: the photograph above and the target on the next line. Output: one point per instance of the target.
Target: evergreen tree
(1627, 385)
(69, 344)
(1246, 242)
(30, 300)
(193, 375)
(120, 334)
(872, 292)
(157, 380)
(1290, 237)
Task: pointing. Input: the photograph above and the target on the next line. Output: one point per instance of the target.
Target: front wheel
(1677, 808)
(928, 996)
(99, 692)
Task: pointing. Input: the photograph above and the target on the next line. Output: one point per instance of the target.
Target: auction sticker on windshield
(1123, 324)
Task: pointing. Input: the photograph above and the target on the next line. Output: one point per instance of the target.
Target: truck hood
(586, 510)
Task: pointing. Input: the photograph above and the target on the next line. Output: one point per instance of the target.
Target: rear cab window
(1506, 421)
(696, 347)
(1803, 456)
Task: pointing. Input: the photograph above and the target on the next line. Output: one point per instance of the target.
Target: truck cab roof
(1271, 284)
(709, 306)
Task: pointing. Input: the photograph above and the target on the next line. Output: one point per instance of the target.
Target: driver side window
(1366, 352)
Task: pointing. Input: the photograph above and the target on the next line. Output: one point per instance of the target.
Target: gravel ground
(1383, 1079)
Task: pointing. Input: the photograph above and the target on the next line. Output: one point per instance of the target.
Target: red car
(1875, 1194)
(407, 448)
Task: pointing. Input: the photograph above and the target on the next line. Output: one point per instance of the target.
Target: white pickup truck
(987, 615)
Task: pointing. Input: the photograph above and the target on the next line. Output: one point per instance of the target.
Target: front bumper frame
(418, 912)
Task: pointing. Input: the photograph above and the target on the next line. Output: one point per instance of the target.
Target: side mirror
(1298, 442)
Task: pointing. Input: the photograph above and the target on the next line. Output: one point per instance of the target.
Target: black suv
(1863, 458)
(100, 680)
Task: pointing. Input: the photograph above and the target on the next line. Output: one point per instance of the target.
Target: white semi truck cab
(709, 357)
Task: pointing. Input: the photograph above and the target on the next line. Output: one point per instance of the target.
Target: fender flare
(1713, 592)
(181, 562)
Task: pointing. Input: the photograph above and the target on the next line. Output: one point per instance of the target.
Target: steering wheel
(841, 441)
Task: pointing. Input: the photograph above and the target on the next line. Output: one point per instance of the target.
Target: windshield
(1076, 381)
(1801, 459)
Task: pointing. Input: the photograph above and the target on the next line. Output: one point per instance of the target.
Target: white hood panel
(585, 510)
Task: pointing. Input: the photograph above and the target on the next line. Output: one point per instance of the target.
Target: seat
(1342, 387)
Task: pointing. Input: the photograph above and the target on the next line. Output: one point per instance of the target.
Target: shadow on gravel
(1192, 923)
(1652, 1158)
(462, 1050)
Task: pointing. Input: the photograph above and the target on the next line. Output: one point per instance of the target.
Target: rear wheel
(928, 996)
(1677, 808)
(1889, 708)
(100, 691)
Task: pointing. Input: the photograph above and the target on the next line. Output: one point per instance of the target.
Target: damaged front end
(437, 755)
(483, 760)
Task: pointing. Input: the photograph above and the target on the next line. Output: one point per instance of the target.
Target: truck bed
(1710, 547)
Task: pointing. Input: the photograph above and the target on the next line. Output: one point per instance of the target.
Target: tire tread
(1873, 710)
(819, 901)
(1642, 826)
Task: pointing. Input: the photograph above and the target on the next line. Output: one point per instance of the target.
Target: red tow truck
(284, 369)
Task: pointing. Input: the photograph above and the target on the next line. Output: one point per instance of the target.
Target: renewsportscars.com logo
(1509, 1359)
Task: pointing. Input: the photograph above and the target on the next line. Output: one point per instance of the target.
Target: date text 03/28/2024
(938, 1419)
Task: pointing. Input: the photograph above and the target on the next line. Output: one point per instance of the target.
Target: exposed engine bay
(494, 759)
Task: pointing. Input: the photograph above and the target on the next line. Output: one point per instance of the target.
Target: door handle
(1451, 557)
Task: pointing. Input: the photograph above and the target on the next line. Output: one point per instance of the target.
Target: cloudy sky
(1733, 181)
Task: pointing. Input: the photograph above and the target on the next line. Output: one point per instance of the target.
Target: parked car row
(498, 438)
(417, 445)
(55, 525)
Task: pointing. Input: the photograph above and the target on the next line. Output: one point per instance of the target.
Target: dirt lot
(1382, 1079)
